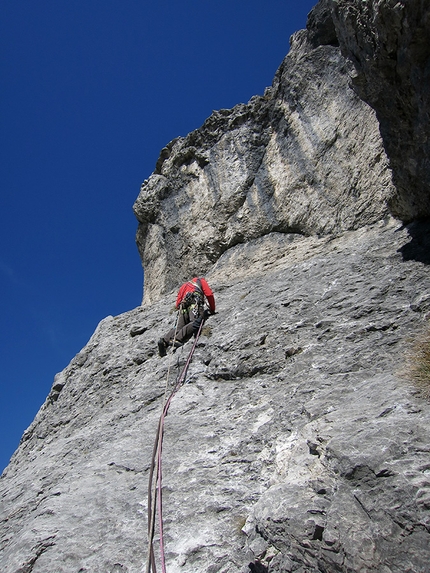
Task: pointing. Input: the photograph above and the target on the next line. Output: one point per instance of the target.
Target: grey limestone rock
(294, 445)
(297, 443)
(387, 41)
(305, 158)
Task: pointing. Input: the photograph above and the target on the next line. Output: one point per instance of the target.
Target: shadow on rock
(257, 567)
(418, 249)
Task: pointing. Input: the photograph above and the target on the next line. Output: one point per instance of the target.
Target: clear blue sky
(91, 91)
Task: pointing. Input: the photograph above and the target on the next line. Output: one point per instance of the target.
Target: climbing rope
(152, 484)
(155, 473)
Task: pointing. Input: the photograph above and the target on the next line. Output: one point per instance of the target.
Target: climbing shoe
(176, 345)
(162, 348)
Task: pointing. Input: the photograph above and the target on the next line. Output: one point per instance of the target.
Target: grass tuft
(239, 524)
(207, 331)
(417, 367)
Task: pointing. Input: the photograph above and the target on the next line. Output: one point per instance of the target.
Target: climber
(190, 304)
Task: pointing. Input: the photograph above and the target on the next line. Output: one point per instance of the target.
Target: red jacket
(190, 287)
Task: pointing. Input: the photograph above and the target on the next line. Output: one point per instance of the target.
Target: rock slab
(295, 445)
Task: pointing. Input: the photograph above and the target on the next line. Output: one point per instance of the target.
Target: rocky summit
(297, 442)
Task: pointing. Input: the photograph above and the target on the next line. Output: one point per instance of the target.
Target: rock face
(297, 443)
(294, 444)
(306, 158)
(388, 43)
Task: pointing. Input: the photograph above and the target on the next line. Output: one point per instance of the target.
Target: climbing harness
(193, 299)
(155, 473)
